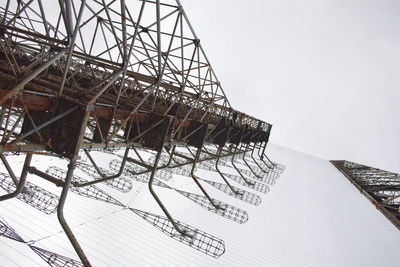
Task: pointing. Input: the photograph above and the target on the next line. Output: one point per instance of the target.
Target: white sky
(324, 72)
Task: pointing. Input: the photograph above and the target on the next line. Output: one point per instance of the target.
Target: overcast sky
(324, 72)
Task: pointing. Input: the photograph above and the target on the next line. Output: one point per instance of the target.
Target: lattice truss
(382, 188)
(129, 80)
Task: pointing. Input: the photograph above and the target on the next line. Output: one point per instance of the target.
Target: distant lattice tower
(382, 188)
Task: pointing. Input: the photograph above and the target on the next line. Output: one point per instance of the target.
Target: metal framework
(382, 188)
(80, 76)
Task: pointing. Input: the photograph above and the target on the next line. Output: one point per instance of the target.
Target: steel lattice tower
(93, 75)
(380, 187)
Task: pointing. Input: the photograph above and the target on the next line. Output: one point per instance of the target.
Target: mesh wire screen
(243, 195)
(33, 195)
(54, 259)
(7, 231)
(120, 183)
(257, 186)
(230, 212)
(131, 171)
(273, 173)
(201, 241)
(90, 191)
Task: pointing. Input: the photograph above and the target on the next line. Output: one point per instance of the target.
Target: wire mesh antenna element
(257, 186)
(228, 211)
(272, 173)
(7, 231)
(200, 241)
(244, 195)
(279, 167)
(267, 177)
(273, 165)
(54, 259)
(132, 170)
(143, 178)
(381, 187)
(181, 170)
(32, 195)
(122, 184)
(262, 163)
(255, 169)
(89, 191)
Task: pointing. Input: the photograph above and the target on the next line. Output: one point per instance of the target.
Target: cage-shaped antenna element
(54, 259)
(120, 183)
(32, 195)
(90, 191)
(7, 231)
(200, 241)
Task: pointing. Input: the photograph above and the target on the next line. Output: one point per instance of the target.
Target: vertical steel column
(195, 179)
(60, 214)
(222, 175)
(255, 161)
(247, 164)
(9, 169)
(154, 194)
(262, 155)
(234, 165)
(64, 193)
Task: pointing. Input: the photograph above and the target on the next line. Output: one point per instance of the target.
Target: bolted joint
(196, 42)
(144, 29)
